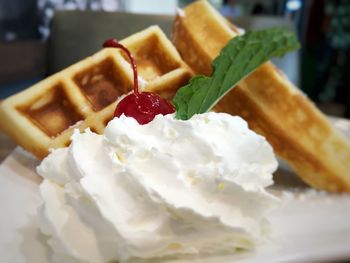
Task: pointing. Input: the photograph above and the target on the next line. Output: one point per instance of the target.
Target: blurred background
(41, 37)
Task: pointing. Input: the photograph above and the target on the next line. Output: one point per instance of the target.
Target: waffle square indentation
(152, 58)
(52, 112)
(102, 84)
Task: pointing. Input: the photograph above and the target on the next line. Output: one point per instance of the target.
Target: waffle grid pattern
(84, 95)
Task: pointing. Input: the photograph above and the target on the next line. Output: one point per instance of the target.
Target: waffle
(273, 107)
(84, 95)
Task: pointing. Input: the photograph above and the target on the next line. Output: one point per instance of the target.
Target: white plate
(309, 226)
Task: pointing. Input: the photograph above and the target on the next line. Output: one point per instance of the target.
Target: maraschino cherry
(142, 106)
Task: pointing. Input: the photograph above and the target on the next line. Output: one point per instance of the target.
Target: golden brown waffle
(84, 94)
(273, 107)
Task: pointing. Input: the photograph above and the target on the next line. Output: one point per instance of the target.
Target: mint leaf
(240, 57)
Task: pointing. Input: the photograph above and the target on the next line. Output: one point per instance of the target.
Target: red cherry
(142, 106)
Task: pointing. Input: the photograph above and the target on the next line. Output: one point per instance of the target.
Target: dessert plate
(309, 226)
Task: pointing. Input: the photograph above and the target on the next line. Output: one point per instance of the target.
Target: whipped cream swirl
(167, 188)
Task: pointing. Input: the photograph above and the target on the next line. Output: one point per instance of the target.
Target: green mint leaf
(240, 57)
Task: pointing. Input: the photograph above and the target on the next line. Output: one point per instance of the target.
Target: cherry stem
(114, 43)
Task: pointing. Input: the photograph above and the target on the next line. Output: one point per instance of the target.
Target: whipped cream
(167, 188)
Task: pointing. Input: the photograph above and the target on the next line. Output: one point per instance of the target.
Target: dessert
(166, 188)
(151, 186)
(197, 187)
(272, 106)
(84, 94)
